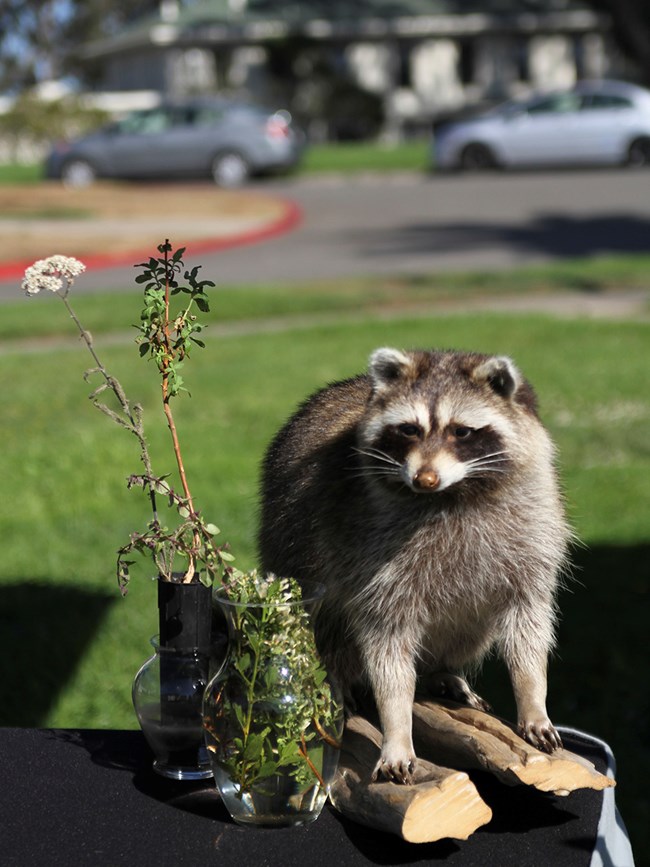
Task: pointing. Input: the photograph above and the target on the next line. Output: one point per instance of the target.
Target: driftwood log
(443, 802)
(440, 803)
(471, 739)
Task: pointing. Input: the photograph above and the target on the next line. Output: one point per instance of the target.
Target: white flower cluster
(50, 273)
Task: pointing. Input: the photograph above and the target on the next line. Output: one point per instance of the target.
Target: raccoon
(424, 495)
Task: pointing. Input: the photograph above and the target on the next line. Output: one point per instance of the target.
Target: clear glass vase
(273, 718)
(168, 688)
(167, 695)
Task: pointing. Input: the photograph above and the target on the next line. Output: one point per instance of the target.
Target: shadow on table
(129, 751)
(44, 631)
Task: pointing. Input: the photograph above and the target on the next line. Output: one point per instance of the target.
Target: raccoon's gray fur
(423, 495)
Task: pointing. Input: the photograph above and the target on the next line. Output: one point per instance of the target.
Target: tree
(31, 46)
(38, 37)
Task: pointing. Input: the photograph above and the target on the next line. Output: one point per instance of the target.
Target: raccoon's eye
(409, 430)
(461, 432)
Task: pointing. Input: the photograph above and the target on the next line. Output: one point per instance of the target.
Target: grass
(333, 157)
(49, 214)
(14, 173)
(362, 156)
(109, 312)
(65, 508)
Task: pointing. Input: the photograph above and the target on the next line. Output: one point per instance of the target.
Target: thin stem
(86, 337)
(326, 736)
(165, 390)
(113, 384)
(303, 752)
(169, 353)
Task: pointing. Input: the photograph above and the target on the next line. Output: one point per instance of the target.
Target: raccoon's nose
(426, 480)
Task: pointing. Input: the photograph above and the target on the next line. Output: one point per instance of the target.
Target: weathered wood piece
(441, 803)
(462, 737)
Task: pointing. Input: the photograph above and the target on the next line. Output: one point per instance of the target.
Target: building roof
(214, 22)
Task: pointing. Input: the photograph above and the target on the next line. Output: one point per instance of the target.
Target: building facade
(419, 59)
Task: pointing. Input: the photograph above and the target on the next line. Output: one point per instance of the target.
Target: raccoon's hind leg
(442, 684)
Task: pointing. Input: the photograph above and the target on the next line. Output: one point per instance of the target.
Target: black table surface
(88, 797)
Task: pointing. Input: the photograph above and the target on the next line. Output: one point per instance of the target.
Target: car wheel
(78, 173)
(230, 169)
(638, 154)
(477, 157)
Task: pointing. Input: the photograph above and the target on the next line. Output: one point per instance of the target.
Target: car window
(205, 115)
(152, 120)
(558, 103)
(606, 100)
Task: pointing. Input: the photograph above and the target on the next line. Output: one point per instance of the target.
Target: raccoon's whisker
(373, 471)
(485, 458)
(377, 454)
(481, 469)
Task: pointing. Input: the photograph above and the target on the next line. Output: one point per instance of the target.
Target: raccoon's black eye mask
(411, 431)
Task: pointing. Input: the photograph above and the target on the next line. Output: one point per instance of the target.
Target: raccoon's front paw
(394, 768)
(541, 733)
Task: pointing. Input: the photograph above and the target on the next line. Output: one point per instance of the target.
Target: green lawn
(362, 156)
(109, 312)
(30, 173)
(71, 646)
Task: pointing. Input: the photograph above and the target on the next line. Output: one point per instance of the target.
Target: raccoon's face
(441, 419)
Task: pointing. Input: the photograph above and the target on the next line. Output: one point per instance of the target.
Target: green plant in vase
(273, 719)
(186, 556)
(166, 336)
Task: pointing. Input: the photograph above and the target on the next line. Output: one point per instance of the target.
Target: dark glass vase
(168, 688)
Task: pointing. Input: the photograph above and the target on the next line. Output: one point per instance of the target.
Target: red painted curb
(290, 219)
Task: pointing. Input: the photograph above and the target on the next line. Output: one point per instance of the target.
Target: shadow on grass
(44, 631)
(599, 680)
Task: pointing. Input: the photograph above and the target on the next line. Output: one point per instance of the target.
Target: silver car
(225, 140)
(595, 122)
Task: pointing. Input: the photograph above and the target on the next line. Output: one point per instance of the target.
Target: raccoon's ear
(387, 365)
(500, 373)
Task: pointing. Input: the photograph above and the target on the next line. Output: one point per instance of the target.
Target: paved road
(416, 223)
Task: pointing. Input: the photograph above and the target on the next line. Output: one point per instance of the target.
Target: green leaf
(212, 530)
(268, 769)
(254, 746)
(289, 753)
(239, 713)
(243, 663)
(227, 556)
